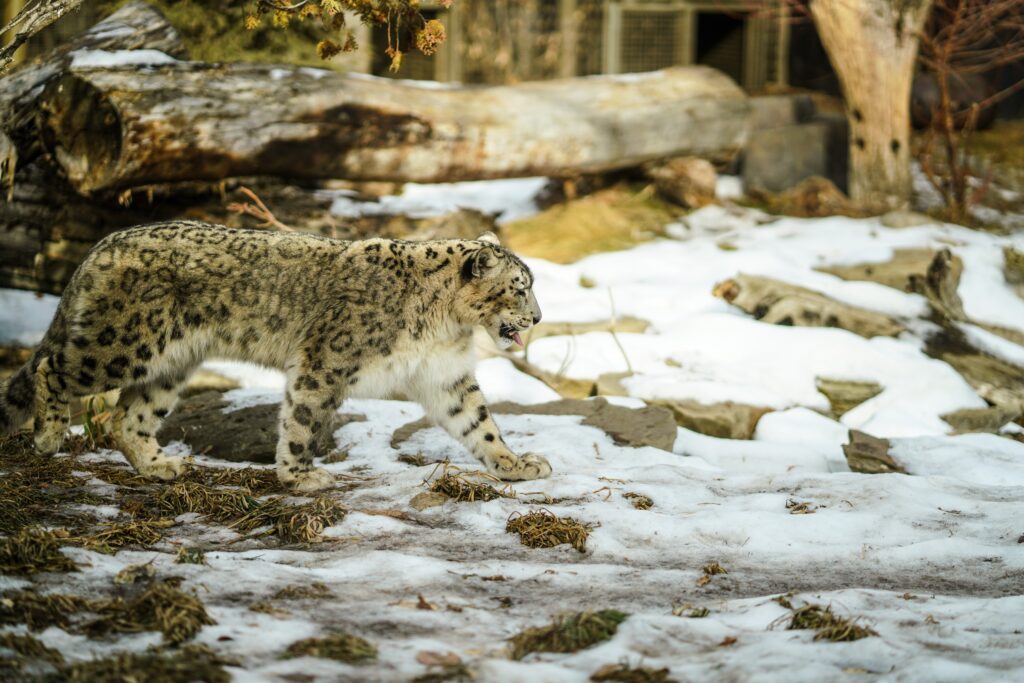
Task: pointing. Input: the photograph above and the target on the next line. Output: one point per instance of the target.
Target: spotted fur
(369, 318)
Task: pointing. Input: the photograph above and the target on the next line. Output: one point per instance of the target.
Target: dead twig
(257, 210)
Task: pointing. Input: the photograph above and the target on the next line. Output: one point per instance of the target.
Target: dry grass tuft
(113, 536)
(459, 487)
(257, 481)
(242, 511)
(189, 664)
(315, 590)
(447, 674)
(25, 646)
(624, 673)
(342, 647)
(39, 612)
(827, 625)
(544, 529)
(39, 489)
(639, 501)
(134, 573)
(160, 607)
(218, 504)
(190, 556)
(303, 523)
(711, 569)
(568, 633)
(33, 550)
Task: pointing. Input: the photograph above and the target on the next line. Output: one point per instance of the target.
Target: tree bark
(114, 128)
(30, 21)
(873, 46)
(134, 25)
(45, 226)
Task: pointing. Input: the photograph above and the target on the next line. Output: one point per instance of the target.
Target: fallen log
(133, 26)
(115, 127)
(45, 226)
(781, 303)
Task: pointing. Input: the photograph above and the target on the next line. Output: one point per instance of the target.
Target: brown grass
(343, 647)
(160, 607)
(310, 591)
(38, 611)
(33, 550)
(827, 625)
(112, 536)
(568, 633)
(30, 648)
(462, 489)
(544, 529)
(189, 664)
(624, 673)
(639, 501)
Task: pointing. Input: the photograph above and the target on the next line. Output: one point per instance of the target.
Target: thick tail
(17, 395)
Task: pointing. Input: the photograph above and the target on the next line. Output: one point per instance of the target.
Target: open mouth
(510, 334)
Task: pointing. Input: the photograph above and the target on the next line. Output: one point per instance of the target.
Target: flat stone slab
(637, 427)
(243, 435)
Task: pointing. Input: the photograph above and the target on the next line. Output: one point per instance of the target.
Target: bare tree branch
(31, 20)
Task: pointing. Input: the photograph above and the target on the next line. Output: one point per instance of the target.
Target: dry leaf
(445, 659)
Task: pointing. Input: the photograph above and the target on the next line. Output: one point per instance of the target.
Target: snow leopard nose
(536, 318)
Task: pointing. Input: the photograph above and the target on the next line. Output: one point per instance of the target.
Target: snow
(24, 316)
(84, 59)
(930, 559)
(512, 199)
(700, 348)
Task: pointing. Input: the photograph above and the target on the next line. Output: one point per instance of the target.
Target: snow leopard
(367, 318)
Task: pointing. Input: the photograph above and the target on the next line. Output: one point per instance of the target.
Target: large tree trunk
(113, 128)
(873, 46)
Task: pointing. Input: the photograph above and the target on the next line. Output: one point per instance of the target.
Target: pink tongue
(516, 338)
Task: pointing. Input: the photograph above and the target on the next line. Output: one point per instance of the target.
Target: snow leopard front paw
(164, 468)
(528, 466)
(315, 479)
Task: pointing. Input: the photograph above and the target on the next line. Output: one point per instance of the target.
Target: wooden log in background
(113, 128)
(45, 226)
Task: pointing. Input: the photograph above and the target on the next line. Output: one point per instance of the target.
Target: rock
(904, 218)
(625, 324)
(244, 435)
(203, 380)
(725, 420)
(990, 419)
(777, 111)
(427, 499)
(845, 395)
(869, 455)
(687, 181)
(810, 198)
(637, 427)
(1013, 269)
(998, 382)
(610, 384)
(895, 273)
(781, 303)
(777, 159)
(939, 285)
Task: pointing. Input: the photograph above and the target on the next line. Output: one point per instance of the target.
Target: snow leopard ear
(488, 237)
(478, 262)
